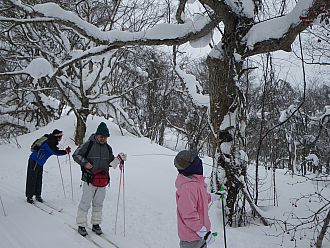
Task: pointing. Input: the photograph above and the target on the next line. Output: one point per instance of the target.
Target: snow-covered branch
(26, 21)
(193, 85)
(280, 33)
(160, 34)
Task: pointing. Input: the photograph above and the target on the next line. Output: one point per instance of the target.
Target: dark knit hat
(57, 133)
(184, 159)
(103, 130)
(196, 168)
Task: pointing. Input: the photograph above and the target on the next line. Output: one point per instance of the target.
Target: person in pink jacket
(192, 201)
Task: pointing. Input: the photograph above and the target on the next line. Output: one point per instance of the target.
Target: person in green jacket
(95, 157)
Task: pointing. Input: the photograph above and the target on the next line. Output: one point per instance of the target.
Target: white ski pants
(94, 195)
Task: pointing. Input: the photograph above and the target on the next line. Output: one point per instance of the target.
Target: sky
(150, 208)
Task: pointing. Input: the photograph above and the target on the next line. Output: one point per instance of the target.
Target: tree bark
(223, 93)
(81, 116)
(323, 231)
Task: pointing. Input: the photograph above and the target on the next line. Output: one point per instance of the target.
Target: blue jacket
(48, 148)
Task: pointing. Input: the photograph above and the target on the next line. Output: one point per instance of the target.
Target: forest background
(244, 103)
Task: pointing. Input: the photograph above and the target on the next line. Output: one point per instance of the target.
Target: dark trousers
(33, 179)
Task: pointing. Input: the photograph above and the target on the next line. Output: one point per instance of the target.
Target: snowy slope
(149, 198)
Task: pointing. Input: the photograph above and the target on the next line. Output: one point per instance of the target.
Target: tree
(243, 35)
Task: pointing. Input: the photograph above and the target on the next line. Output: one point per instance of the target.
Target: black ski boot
(97, 229)
(29, 200)
(82, 231)
(39, 199)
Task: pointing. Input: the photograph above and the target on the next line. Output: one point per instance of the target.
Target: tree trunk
(223, 106)
(80, 130)
(323, 231)
(81, 122)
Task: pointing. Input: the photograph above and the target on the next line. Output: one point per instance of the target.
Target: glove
(206, 235)
(68, 149)
(122, 156)
(202, 232)
(214, 197)
(115, 163)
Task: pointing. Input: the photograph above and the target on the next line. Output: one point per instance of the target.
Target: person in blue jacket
(36, 162)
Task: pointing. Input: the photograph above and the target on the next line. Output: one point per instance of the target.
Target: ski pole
(71, 177)
(121, 175)
(3, 208)
(124, 198)
(214, 234)
(222, 196)
(59, 166)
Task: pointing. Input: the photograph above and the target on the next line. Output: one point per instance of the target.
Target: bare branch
(180, 10)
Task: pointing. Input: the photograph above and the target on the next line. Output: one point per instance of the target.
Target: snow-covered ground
(149, 199)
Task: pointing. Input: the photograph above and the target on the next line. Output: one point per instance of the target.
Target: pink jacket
(192, 206)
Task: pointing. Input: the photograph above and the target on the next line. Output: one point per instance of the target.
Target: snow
(192, 85)
(229, 120)
(242, 7)
(202, 42)
(285, 114)
(161, 31)
(313, 158)
(49, 101)
(278, 27)
(217, 51)
(149, 198)
(38, 68)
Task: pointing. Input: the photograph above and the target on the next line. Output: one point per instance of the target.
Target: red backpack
(101, 178)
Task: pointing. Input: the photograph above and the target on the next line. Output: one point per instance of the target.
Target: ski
(108, 240)
(43, 207)
(50, 205)
(88, 237)
(105, 238)
(92, 241)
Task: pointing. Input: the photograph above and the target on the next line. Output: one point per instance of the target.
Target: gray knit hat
(184, 159)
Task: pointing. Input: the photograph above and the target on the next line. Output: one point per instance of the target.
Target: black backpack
(37, 143)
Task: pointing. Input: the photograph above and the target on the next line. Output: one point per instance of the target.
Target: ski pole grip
(222, 192)
(207, 235)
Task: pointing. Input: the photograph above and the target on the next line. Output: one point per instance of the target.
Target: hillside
(149, 198)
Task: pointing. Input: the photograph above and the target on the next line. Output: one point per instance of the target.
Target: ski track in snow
(149, 199)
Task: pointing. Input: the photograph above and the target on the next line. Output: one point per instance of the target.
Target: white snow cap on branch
(313, 158)
(192, 85)
(278, 27)
(217, 51)
(159, 32)
(243, 156)
(326, 116)
(202, 42)
(327, 111)
(242, 7)
(287, 112)
(229, 120)
(39, 68)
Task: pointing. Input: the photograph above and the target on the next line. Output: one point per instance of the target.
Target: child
(192, 201)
